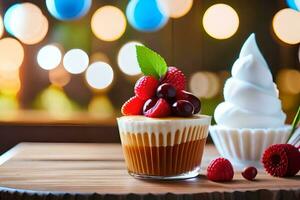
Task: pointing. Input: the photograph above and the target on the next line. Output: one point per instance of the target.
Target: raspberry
(293, 159)
(160, 109)
(175, 77)
(145, 87)
(281, 160)
(220, 170)
(249, 173)
(134, 106)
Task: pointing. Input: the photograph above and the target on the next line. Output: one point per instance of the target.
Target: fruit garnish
(149, 104)
(166, 91)
(160, 109)
(220, 170)
(150, 62)
(156, 93)
(184, 95)
(249, 173)
(183, 108)
(281, 160)
(145, 87)
(134, 106)
(175, 77)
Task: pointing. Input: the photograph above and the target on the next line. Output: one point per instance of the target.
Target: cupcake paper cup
(163, 148)
(244, 147)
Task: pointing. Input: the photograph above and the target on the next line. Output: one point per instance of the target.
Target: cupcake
(162, 135)
(251, 118)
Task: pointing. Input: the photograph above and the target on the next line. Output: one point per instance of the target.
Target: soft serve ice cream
(251, 96)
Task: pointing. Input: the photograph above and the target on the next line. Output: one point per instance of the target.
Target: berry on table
(249, 173)
(159, 109)
(184, 95)
(134, 106)
(145, 87)
(281, 160)
(220, 170)
(175, 77)
(183, 108)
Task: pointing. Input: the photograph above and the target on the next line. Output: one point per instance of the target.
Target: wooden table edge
(44, 193)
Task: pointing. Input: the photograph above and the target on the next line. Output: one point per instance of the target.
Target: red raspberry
(175, 77)
(281, 160)
(220, 170)
(160, 109)
(134, 106)
(145, 87)
(293, 159)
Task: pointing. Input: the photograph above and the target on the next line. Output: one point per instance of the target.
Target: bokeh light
(100, 106)
(204, 84)
(68, 9)
(76, 61)
(176, 8)
(127, 59)
(59, 76)
(286, 26)
(1, 26)
(220, 21)
(288, 81)
(99, 56)
(99, 75)
(294, 4)
(54, 100)
(9, 81)
(12, 54)
(108, 23)
(49, 57)
(26, 22)
(146, 15)
(299, 54)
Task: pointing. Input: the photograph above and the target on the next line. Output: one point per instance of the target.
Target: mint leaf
(151, 63)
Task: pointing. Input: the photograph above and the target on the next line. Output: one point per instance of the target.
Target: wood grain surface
(100, 168)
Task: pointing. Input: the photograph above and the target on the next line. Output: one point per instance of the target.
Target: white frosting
(251, 96)
(198, 125)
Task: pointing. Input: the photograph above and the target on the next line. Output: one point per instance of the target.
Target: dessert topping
(160, 92)
(145, 87)
(251, 96)
(220, 170)
(160, 109)
(175, 77)
(134, 106)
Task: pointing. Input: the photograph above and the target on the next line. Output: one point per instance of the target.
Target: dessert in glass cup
(162, 134)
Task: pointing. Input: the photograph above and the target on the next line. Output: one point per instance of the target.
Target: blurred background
(67, 66)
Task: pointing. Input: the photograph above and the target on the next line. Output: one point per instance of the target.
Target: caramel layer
(158, 160)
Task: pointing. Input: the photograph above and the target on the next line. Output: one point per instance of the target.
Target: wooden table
(97, 171)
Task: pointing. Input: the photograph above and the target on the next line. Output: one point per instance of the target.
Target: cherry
(166, 91)
(184, 95)
(183, 108)
(249, 173)
(149, 104)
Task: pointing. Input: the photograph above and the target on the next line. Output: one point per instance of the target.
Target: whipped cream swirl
(251, 96)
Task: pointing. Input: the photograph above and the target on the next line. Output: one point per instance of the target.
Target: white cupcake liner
(244, 147)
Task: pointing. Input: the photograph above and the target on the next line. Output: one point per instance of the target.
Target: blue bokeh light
(145, 15)
(68, 9)
(8, 17)
(293, 4)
